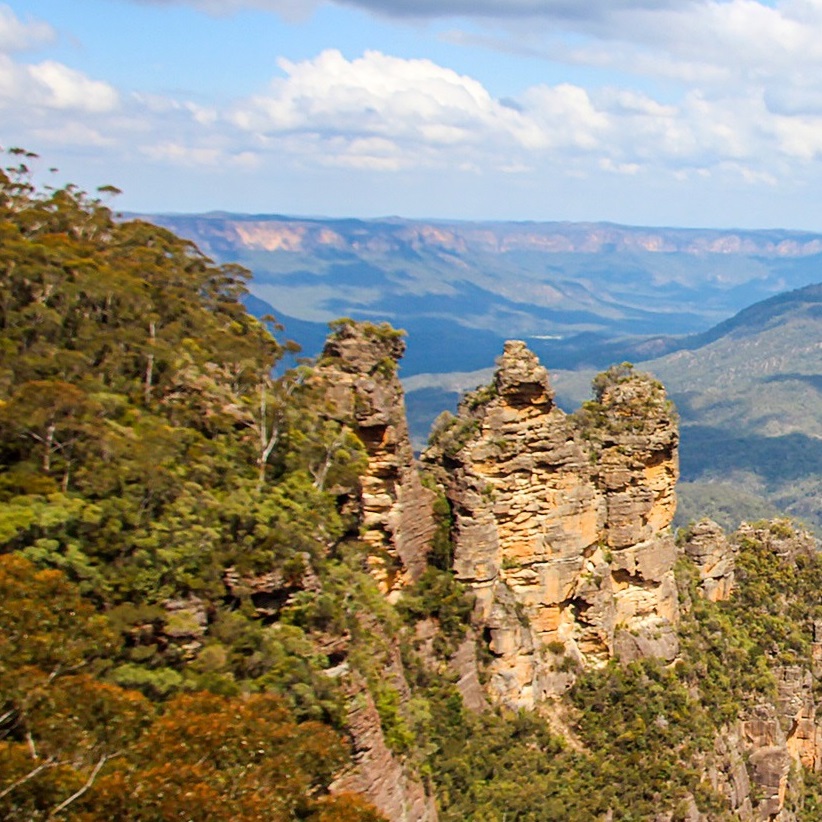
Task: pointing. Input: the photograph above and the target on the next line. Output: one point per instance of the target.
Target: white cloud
(204, 156)
(416, 106)
(799, 137)
(16, 35)
(384, 113)
(47, 85)
(689, 92)
(58, 86)
(562, 116)
(72, 133)
(51, 85)
(607, 164)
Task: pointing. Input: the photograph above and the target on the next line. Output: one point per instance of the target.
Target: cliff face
(376, 772)
(708, 548)
(777, 732)
(561, 531)
(561, 524)
(783, 731)
(358, 368)
(217, 232)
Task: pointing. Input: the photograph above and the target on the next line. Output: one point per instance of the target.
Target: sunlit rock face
(358, 370)
(710, 550)
(561, 523)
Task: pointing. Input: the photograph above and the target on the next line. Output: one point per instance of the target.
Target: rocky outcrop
(781, 538)
(775, 733)
(708, 548)
(376, 772)
(358, 369)
(782, 731)
(728, 774)
(561, 523)
(357, 376)
(268, 593)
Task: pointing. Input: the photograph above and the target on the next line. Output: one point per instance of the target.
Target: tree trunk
(152, 336)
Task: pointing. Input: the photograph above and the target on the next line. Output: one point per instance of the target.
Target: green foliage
(730, 648)
(185, 611)
(615, 375)
(74, 746)
(481, 396)
(384, 332)
(151, 449)
(437, 594)
(810, 804)
(156, 684)
(626, 402)
(398, 736)
(646, 730)
(442, 424)
(452, 434)
(441, 554)
(639, 731)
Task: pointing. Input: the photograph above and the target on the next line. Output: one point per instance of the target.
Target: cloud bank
(687, 91)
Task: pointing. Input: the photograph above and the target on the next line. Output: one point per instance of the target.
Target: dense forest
(160, 450)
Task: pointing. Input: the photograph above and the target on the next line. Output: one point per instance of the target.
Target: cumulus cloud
(386, 113)
(58, 86)
(51, 85)
(17, 35)
(416, 107)
(686, 90)
(47, 85)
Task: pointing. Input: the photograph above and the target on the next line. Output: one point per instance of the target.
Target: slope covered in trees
(147, 446)
(748, 393)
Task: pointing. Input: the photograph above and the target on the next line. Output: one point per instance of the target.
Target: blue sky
(652, 112)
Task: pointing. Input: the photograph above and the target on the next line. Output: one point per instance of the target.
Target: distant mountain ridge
(579, 293)
(749, 393)
(300, 234)
(730, 321)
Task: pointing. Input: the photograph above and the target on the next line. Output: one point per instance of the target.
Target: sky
(699, 113)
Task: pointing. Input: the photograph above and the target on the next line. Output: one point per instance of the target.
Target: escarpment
(706, 545)
(358, 369)
(561, 523)
(560, 532)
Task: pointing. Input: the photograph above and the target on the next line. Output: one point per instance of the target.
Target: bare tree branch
(89, 782)
(49, 763)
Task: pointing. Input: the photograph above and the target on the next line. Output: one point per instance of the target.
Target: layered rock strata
(709, 549)
(376, 772)
(561, 524)
(358, 368)
(782, 731)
